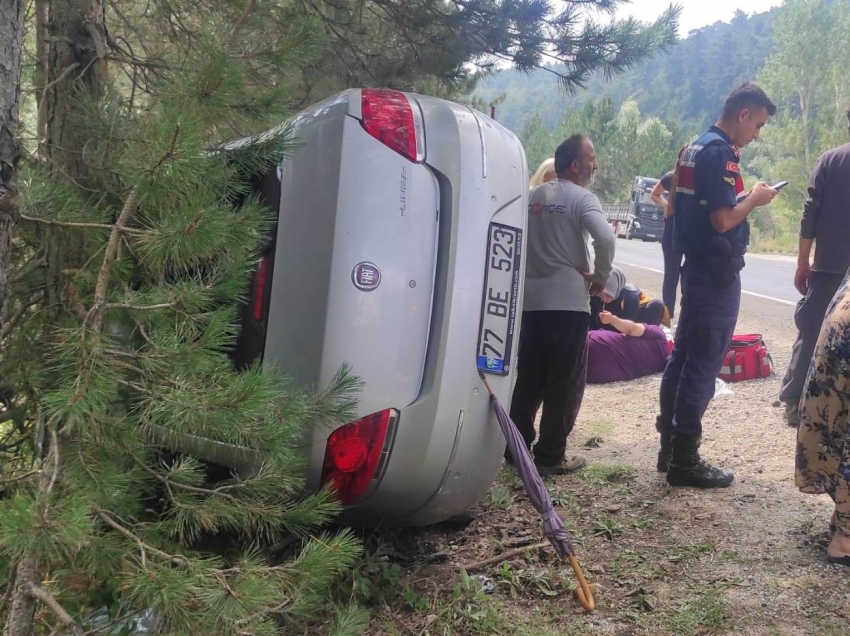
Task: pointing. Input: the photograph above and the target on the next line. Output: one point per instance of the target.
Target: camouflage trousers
(823, 438)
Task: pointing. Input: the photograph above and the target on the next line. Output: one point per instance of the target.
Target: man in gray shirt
(552, 366)
(826, 223)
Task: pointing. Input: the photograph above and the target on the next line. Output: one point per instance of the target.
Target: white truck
(620, 216)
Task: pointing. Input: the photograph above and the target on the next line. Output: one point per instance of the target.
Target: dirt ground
(744, 560)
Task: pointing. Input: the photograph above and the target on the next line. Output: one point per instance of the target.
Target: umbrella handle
(486, 384)
(583, 591)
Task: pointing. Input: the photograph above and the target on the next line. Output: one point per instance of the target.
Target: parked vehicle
(399, 249)
(620, 217)
(648, 223)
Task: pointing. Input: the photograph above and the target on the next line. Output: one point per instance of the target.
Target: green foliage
(626, 144)
(797, 52)
(126, 348)
(686, 84)
(539, 143)
(808, 81)
(501, 497)
(384, 42)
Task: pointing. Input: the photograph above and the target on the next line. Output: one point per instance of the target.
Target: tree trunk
(11, 45)
(75, 67)
(42, 46)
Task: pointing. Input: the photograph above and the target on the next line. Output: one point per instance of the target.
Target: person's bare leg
(839, 546)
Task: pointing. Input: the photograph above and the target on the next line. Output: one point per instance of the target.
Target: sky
(696, 13)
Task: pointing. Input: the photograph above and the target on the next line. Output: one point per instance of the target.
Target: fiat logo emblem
(366, 276)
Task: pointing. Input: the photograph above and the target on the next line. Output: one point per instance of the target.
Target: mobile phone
(779, 185)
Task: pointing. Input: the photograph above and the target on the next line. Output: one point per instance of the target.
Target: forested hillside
(687, 83)
(797, 52)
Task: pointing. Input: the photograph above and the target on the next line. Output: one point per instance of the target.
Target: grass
(607, 473)
(501, 497)
(699, 613)
(607, 528)
(658, 575)
(600, 428)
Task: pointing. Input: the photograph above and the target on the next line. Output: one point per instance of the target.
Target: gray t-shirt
(562, 216)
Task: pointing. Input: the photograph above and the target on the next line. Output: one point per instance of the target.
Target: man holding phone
(825, 222)
(710, 228)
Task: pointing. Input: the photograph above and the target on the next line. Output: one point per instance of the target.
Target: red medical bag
(747, 359)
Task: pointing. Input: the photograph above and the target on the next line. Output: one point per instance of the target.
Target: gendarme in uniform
(708, 179)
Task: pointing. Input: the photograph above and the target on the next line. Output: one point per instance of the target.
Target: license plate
(498, 306)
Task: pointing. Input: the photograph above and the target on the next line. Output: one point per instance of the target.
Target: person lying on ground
(632, 351)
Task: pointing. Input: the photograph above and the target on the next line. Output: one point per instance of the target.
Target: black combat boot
(687, 468)
(665, 453)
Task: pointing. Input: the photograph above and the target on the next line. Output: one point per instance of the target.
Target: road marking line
(743, 291)
(774, 299)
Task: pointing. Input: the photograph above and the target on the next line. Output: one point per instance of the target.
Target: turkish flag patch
(731, 166)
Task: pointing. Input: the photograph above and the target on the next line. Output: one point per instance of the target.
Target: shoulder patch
(729, 180)
(731, 166)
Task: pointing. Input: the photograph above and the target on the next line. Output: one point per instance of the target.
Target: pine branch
(170, 153)
(144, 548)
(109, 259)
(240, 22)
(7, 328)
(10, 585)
(82, 226)
(123, 59)
(42, 104)
(12, 480)
(167, 482)
(135, 387)
(54, 454)
(39, 593)
(132, 307)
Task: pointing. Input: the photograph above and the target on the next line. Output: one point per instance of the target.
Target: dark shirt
(614, 357)
(709, 179)
(667, 181)
(627, 304)
(826, 214)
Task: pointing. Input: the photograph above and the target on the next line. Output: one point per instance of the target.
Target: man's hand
(595, 288)
(762, 194)
(802, 277)
(606, 317)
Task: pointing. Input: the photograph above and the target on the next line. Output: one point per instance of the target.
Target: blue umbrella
(553, 525)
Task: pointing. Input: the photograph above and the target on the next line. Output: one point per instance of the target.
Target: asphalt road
(769, 277)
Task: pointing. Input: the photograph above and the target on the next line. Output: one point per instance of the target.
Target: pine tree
(538, 142)
(373, 42)
(11, 45)
(133, 254)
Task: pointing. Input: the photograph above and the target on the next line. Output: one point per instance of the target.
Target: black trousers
(706, 324)
(808, 317)
(672, 265)
(551, 371)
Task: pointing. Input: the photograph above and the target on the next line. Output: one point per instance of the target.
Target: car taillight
(261, 279)
(353, 454)
(391, 118)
